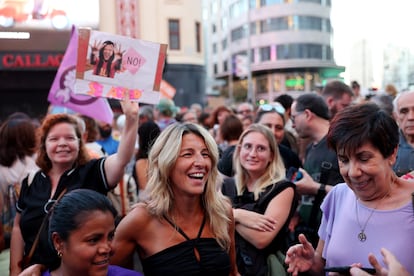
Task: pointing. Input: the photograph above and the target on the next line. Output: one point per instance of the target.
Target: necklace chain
(361, 235)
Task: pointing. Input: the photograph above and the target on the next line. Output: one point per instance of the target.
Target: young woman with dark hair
(81, 230)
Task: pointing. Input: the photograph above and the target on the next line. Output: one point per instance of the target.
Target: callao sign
(30, 61)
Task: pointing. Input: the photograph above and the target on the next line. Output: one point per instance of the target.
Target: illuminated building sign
(295, 82)
(30, 60)
(56, 14)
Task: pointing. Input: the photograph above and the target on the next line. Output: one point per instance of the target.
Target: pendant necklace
(361, 235)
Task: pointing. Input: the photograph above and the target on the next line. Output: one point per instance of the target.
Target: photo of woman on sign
(106, 58)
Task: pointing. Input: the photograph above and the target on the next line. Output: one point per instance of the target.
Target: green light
(261, 101)
(294, 82)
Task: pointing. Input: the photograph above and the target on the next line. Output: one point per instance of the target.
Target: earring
(59, 254)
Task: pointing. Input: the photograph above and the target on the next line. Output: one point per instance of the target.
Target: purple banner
(62, 92)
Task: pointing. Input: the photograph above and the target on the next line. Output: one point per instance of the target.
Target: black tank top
(180, 259)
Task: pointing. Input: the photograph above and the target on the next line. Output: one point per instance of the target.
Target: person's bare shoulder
(138, 217)
(139, 213)
(141, 162)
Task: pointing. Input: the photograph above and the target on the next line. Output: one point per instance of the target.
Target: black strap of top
(182, 232)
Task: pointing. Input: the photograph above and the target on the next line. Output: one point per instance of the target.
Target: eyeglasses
(292, 117)
(274, 106)
(243, 111)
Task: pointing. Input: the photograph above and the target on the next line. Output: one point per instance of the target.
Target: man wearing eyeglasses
(310, 117)
(245, 109)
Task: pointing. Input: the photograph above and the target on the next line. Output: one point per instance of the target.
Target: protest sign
(167, 90)
(62, 92)
(111, 65)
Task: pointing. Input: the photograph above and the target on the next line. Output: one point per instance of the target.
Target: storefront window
(261, 84)
(277, 82)
(295, 82)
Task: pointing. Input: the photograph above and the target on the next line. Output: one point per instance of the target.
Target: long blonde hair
(275, 171)
(162, 157)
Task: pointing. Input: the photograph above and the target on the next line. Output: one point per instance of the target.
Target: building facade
(288, 44)
(177, 23)
(33, 39)
(28, 64)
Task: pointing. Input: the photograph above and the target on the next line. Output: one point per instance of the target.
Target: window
(237, 34)
(223, 23)
(269, 2)
(214, 7)
(327, 53)
(301, 51)
(310, 23)
(262, 84)
(174, 34)
(265, 53)
(224, 44)
(225, 68)
(241, 32)
(276, 82)
(295, 82)
(312, 1)
(274, 24)
(252, 4)
(198, 37)
(326, 25)
(215, 70)
(237, 9)
(296, 22)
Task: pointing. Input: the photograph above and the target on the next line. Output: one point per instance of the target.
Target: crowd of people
(324, 179)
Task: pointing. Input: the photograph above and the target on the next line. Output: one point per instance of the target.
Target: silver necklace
(361, 235)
